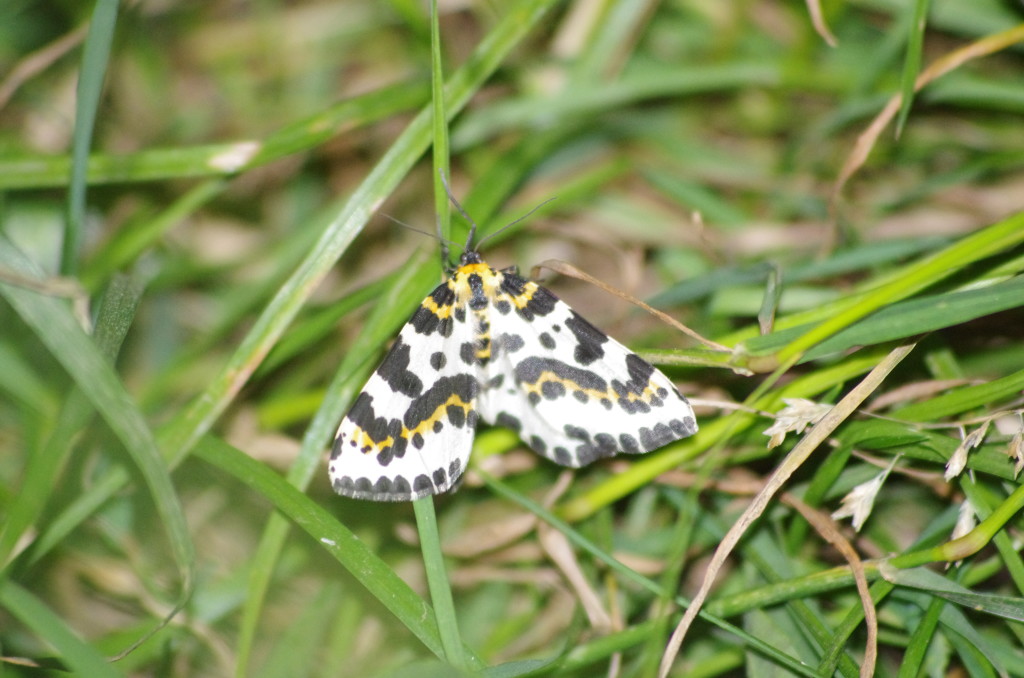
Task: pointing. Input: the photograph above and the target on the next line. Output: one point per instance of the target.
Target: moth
(489, 344)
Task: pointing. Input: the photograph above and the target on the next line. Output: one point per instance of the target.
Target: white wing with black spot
(573, 393)
(410, 431)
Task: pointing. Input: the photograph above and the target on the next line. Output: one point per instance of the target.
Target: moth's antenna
(510, 225)
(444, 241)
(472, 224)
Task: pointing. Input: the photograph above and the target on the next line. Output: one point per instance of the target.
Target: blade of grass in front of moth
(437, 581)
(426, 520)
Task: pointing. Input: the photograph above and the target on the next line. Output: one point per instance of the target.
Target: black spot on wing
(512, 283)
(540, 304)
(531, 370)
(561, 456)
(440, 477)
(639, 371)
(629, 444)
(552, 390)
(589, 339)
(438, 360)
(467, 352)
(508, 343)
(456, 415)
(591, 446)
(547, 341)
(398, 486)
(659, 435)
(394, 370)
(683, 427)
(508, 421)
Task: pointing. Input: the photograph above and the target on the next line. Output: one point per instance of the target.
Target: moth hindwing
(491, 345)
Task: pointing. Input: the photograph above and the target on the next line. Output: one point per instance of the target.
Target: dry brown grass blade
(58, 286)
(38, 61)
(810, 442)
(818, 21)
(866, 141)
(823, 525)
(827, 528)
(557, 547)
(573, 272)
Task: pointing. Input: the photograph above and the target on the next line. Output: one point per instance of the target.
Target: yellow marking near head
(481, 269)
(489, 278)
(441, 311)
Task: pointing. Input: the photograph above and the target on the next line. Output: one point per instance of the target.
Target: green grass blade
(912, 62)
(216, 160)
(80, 657)
(58, 330)
(113, 320)
(439, 131)
(905, 319)
(999, 237)
(426, 521)
(631, 575)
(645, 469)
(437, 580)
(379, 579)
(923, 579)
(90, 85)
